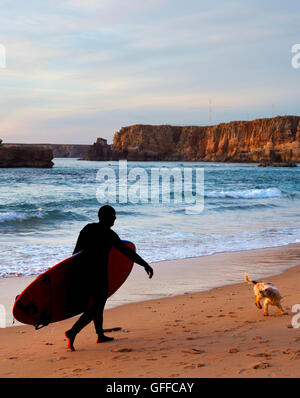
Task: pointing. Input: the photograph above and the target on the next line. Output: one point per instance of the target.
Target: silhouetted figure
(96, 241)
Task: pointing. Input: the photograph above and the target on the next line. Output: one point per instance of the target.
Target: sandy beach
(213, 333)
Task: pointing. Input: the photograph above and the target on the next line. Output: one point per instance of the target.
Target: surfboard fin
(39, 326)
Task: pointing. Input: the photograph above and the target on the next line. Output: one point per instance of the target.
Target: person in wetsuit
(96, 240)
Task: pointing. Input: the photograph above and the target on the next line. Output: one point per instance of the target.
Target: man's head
(107, 215)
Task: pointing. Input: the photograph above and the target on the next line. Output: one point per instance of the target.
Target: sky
(76, 70)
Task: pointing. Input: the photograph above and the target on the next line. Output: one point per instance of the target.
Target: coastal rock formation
(61, 150)
(68, 150)
(25, 156)
(276, 139)
(101, 151)
(262, 140)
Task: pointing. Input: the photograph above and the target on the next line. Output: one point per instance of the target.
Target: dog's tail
(248, 281)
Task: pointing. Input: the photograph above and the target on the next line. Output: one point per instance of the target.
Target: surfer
(96, 240)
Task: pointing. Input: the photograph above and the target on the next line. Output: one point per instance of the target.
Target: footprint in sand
(260, 365)
(122, 350)
(232, 350)
(287, 351)
(257, 338)
(193, 351)
(192, 366)
(76, 370)
(260, 354)
(295, 355)
(122, 357)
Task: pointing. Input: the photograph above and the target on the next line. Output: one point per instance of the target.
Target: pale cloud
(104, 63)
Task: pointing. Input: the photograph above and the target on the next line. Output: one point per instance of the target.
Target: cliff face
(60, 150)
(276, 139)
(68, 150)
(25, 156)
(101, 151)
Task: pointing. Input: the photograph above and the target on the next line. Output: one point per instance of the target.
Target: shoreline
(181, 259)
(213, 333)
(231, 251)
(10, 287)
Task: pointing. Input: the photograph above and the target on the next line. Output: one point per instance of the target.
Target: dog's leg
(257, 302)
(266, 304)
(278, 305)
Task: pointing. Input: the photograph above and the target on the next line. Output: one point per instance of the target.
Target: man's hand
(149, 270)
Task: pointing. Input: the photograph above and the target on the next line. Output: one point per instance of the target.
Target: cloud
(79, 63)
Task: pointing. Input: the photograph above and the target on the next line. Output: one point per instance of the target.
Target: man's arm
(133, 256)
(80, 244)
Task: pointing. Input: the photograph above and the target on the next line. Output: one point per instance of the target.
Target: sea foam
(246, 194)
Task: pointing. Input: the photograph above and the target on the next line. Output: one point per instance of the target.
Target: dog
(267, 291)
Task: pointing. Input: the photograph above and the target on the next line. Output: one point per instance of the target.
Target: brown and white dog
(267, 291)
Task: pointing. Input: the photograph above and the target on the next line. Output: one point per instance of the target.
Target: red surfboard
(62, 291)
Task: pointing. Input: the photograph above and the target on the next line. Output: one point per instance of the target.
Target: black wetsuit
(96, 241)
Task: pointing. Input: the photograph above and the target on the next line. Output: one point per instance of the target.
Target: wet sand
(212, 333)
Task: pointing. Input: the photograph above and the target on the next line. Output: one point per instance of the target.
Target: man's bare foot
(71, 337)
(103, 339)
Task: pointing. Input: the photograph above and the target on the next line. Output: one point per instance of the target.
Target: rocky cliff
(275, 139)
(100, 150)
(25, 156)
(68, 150)
(61, 150)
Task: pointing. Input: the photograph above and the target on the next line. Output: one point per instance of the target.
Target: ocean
(244, 207)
